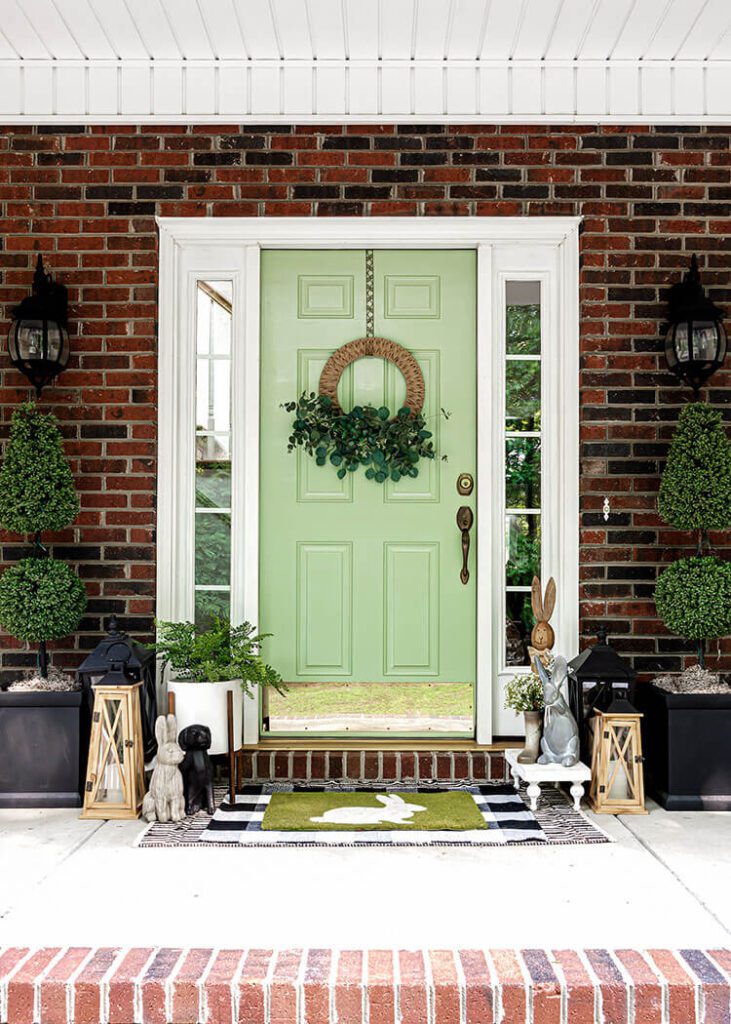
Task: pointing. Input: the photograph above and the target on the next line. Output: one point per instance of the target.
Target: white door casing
(508, 248)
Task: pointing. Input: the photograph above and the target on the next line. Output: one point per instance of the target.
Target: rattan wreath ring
(381, 348)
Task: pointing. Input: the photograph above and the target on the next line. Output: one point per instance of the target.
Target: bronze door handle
(465, 520)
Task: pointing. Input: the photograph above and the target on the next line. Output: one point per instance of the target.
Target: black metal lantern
(598, 679)
(695, 343)
(38, 341)
(118, 661)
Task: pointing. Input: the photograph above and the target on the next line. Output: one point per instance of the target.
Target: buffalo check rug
(507, 820)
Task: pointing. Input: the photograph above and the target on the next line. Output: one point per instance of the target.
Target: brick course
(329, 986)
(86, 197)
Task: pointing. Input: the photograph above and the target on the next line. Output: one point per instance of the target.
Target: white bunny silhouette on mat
(395, 810)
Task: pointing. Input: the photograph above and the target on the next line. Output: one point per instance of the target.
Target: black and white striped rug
(508, 817)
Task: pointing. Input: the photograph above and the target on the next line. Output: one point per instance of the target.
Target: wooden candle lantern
(115, 779)
(617, 778)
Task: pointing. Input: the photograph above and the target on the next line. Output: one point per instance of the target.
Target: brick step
(324, 986)
(354, 765)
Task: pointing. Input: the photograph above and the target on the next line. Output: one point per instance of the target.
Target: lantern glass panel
(110, 755)
(32, 342)
(679, 346)
(705, 340)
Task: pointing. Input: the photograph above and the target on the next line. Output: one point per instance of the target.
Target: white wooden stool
(535, 774)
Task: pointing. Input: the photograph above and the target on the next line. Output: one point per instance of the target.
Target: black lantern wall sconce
(695, 343)
(38, 342)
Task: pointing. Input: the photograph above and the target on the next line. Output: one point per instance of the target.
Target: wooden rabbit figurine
(542, 636)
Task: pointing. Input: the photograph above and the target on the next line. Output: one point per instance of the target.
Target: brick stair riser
(327, 986)
(364, 766)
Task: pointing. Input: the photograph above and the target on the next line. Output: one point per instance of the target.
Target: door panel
(360, 581)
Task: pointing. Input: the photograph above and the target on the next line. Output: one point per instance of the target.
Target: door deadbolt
(465, 483)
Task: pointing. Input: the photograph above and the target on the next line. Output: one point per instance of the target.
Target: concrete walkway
(663, 883)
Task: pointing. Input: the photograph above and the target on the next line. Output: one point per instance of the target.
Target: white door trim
(230, 248)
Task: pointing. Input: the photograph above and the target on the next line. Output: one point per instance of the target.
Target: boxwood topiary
(693, 597)
(695, 492)
(36, 486)
(41, 599)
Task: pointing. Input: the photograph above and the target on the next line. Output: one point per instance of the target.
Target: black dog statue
(197, 769)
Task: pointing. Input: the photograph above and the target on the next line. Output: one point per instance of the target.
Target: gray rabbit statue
(164, 801)
(560, 740)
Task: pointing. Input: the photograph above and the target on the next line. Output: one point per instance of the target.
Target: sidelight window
(213, 451)
(522, 466)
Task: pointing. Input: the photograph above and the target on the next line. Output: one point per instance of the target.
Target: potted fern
(206, 664)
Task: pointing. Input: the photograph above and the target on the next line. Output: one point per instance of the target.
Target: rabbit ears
(166, 730)
(389, 798)
(543, 609)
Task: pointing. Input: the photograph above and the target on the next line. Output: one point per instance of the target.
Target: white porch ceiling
(365, 60)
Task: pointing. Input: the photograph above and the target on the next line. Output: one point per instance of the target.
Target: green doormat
(372, 812)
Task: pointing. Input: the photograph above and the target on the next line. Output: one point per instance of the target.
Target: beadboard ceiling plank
(293, 28)
(155, 28)
(398, 29)
(257, 29)
(468, 23)
(607, 23)
(362, 29)
(503, 24)
(222, 26)
(121, 29)
(189, 28)
(326, 28)
(51, 29)
(18, 30)
(84, 26)
(674, 29)
(535, 29)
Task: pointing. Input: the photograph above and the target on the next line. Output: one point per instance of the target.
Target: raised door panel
(324, 609)
(411, 609)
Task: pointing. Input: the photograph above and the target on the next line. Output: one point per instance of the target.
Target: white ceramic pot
(205, 704)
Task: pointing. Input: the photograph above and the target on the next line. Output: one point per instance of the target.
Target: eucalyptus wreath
(387, 447)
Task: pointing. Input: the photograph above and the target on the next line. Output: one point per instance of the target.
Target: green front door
(360, 581)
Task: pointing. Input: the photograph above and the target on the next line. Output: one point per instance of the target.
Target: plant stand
(535, 774)
(233, 752)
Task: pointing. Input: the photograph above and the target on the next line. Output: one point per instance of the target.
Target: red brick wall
(86, 198)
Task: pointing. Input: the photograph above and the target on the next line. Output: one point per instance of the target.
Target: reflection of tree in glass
(518, 625)
(523, 395)
(523, 472)
(210, 604)
(213, 484)
(523, 330)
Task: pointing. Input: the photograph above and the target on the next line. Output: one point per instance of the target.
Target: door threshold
(374, 743)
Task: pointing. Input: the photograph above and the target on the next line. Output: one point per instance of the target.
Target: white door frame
(192, 248)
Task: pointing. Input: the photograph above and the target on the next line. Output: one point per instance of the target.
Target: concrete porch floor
(662, 883)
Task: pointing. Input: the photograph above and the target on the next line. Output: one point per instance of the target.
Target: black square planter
(687, 748)
(43, 746)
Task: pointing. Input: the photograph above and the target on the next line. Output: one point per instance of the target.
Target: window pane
(213, 330)
(523, 317)
(523, 548)
(518, 625)
(522, 395)
(213, 484)
(212, 548)
(213, 392)
(523, 472)
(213, 448)
(210, 603)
